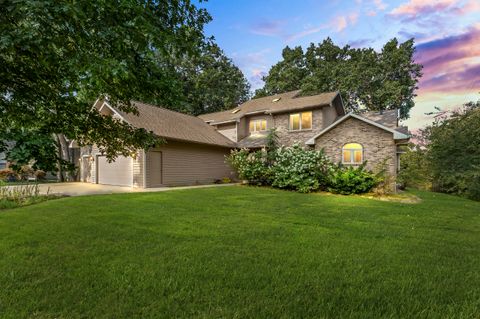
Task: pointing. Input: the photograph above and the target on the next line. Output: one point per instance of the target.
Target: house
(3, 161)
(196, 146)
(317, 122)
(3, 156)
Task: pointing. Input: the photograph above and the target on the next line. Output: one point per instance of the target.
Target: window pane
(306, 120)
(353, 146)
(357, 156)
(295, 121)
(264, 125)
(347, 156)
(252, 126)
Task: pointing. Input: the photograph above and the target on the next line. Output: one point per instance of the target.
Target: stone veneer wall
(377, 144)
(288, 138)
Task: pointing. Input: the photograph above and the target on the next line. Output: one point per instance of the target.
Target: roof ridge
(166, 109)
(294, 92)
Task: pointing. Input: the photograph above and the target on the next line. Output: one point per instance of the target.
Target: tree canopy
(366, 79)
(448, 155)
(211, 81)
(56, 58)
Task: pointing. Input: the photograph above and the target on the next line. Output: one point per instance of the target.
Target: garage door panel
(119, 172)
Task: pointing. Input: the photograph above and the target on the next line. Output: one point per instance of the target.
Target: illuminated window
(258, 125)
(352, 153)
(301, 121)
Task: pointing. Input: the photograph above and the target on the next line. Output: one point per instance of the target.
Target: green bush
(298, 169)
(301, 170)
(251, 166)
(351, 180)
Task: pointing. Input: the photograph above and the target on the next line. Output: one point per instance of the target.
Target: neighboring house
(196, 146)
(3, 161)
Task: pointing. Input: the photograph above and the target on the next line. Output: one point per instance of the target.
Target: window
(301, 121)
(258, 125)
(352, 153)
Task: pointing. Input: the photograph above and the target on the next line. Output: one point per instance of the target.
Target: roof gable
(396, 134)
(170, 124)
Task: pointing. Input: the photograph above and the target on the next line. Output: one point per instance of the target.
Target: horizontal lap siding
(191, 164)
(228, 130)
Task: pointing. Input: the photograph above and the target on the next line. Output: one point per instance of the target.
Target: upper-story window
(352, 153)
(301, 121)
(258, 125)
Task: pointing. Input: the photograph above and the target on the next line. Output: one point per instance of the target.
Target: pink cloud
(423, 8)
(451, 64)
(380, 5)
(341, 22)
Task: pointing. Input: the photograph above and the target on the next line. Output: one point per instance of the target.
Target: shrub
(385, 181)
(251, 166)
(415, 168)
(350, 180)
(26, 171)
(40, 175)
(8, 174)
(226, 180)
(298, 169)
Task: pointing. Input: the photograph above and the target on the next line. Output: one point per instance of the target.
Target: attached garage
(194, 152)
(119, 172)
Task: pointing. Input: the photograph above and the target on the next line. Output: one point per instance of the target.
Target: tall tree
(286, 75)
(210, 81)
(57, 57)
(365, 78)
(454, 152)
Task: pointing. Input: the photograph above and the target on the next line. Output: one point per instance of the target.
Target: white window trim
(300, 122)
(352, 154)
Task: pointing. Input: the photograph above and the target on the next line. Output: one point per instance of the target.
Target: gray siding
(191, 164)
(228, 130)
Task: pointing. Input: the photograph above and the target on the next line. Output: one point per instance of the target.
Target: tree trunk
(60, 175)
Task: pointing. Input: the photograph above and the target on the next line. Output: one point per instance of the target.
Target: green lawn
(239, 252)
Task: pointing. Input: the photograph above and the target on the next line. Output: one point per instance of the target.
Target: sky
(446, 32)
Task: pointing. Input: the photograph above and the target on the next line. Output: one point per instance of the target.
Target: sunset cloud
(424, 8)
(451, 64)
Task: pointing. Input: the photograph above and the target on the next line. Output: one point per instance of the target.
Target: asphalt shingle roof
(174, 125)
(278, 103)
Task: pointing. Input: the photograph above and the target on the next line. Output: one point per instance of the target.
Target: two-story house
(319, 122)
(196, 147)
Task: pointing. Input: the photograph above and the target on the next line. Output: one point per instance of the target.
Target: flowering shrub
(251, 166)
(298, 169)
(350, 180)
(301, 170)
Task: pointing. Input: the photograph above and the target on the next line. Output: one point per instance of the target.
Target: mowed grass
(240, 252)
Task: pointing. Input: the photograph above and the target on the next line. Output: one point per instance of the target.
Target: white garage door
(118, 173)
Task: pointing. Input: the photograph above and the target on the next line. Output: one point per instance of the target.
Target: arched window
(352, 153)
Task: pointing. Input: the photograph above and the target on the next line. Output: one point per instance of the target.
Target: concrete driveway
(78, 189)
